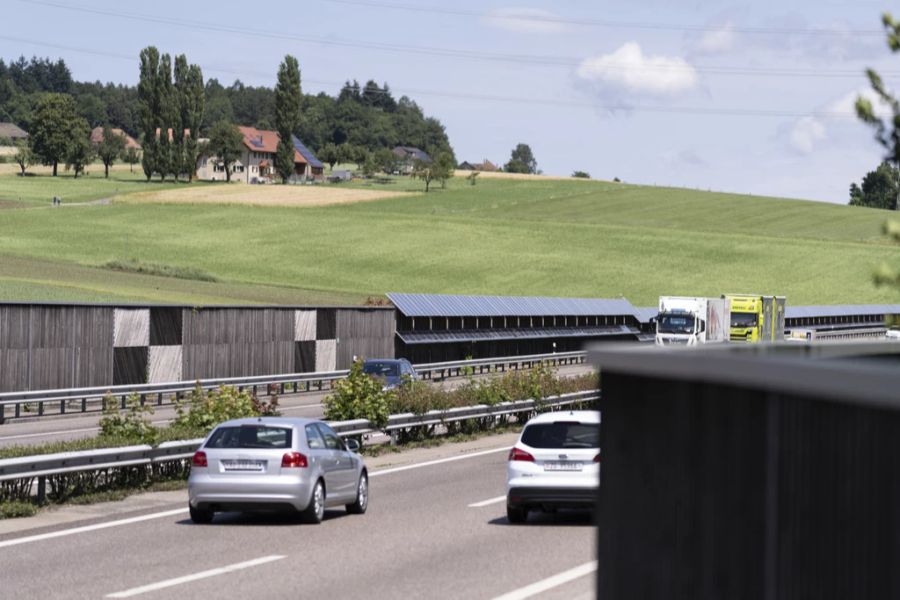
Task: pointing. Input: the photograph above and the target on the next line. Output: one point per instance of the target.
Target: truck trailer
(756, 318)
(690, 321)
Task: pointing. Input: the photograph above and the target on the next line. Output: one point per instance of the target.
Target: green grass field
(501, 236)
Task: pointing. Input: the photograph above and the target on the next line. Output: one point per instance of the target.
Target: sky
(753, 97)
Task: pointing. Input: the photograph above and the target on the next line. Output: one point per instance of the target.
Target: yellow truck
(756, 318)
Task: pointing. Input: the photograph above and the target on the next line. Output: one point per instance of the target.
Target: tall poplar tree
(192, 106)
(168, 115)
(287, 115)
(148, 101)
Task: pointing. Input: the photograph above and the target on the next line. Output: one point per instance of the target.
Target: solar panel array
(840, 310)
(426, 337)
(447, 305)
(306, 152)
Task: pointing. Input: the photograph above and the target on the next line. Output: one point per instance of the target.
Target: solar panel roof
(306, 152)
(447, 305)
(840, 310)
(645, 313)
(431, 337)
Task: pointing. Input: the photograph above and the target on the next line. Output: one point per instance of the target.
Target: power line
(542, 60)
(529, 100)
(601, 23)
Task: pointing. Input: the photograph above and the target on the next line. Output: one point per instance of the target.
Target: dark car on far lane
(392, 370)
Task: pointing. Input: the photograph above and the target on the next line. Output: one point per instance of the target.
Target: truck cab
(756, 318)
(690, 321)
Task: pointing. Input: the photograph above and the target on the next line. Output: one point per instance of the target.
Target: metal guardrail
(44, 465)
(42, 403)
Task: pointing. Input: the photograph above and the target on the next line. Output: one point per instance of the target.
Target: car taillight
(597, 458)
(199, 459)
(519, 454)
(293, 459)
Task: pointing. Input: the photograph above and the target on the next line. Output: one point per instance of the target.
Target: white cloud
(628, 69)
(524, 20)
(716, 41)
(846, 104)
(806, 133)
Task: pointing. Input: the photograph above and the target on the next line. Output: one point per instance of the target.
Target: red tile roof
(97, 137)
(264, 140)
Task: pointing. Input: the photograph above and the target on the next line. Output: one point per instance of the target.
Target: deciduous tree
(80, 152)
(521, 160)
(23, 156)
(56, 124)
(225, 143)
(110, 148)
(880, 188)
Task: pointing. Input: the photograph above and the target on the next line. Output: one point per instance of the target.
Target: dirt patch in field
(11, 204)
(263, 195)
(499, 175)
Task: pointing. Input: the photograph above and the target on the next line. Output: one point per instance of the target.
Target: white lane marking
(551, 582)
(46, 433)
(106, 525)
(65, 532)
(201, 575)
(487, 502)
(436, 462)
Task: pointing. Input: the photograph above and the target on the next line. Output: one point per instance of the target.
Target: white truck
(690, 321)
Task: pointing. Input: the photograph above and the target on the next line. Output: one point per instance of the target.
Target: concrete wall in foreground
(48, 346)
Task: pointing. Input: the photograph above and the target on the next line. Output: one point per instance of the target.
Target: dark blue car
(392, 370)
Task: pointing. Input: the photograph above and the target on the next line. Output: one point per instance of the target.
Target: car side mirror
(352, 445)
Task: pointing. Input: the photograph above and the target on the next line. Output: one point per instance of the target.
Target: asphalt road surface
(36, 430)
(436, 528)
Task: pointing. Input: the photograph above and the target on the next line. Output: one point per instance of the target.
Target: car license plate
(243, 465)
(562, 465)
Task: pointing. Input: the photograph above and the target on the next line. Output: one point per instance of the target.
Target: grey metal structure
(41, 466)
(749, 471)
(54, 345)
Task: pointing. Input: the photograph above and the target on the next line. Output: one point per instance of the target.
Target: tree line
(365, 116)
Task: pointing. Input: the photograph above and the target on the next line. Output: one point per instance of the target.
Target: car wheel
(362, 496)
(516, 514)
(201, 516)
(315, 511)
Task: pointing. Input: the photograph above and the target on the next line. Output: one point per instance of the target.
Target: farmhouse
(482, 166)
(12, 131)
(130, 142)
(257, 161)
(408, 155)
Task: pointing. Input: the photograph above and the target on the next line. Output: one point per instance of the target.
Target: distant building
(257, 161)
(485, 165)
(408, 155)
(97, 137)
(12, 131)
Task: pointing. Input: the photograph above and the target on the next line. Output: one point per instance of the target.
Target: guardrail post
(2, 414)
(18, 410)
(62, 407)
(124, 401)
(42, 490)
(84, 405)
(40, 409)
(159, 399)
(143, 399)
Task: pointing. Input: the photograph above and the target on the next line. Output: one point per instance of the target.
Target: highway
(436, 528)
(51, 428)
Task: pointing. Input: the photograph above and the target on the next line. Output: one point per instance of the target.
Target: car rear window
(250, 436)
(384, 369)
(562, 435)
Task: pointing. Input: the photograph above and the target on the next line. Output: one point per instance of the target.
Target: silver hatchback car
(276, 463)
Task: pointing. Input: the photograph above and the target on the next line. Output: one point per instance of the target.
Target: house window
(238, 168)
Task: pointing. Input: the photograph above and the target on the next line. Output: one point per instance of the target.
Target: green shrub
(359, 396)
(203, 410)
(17, 508)
(134, 424)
